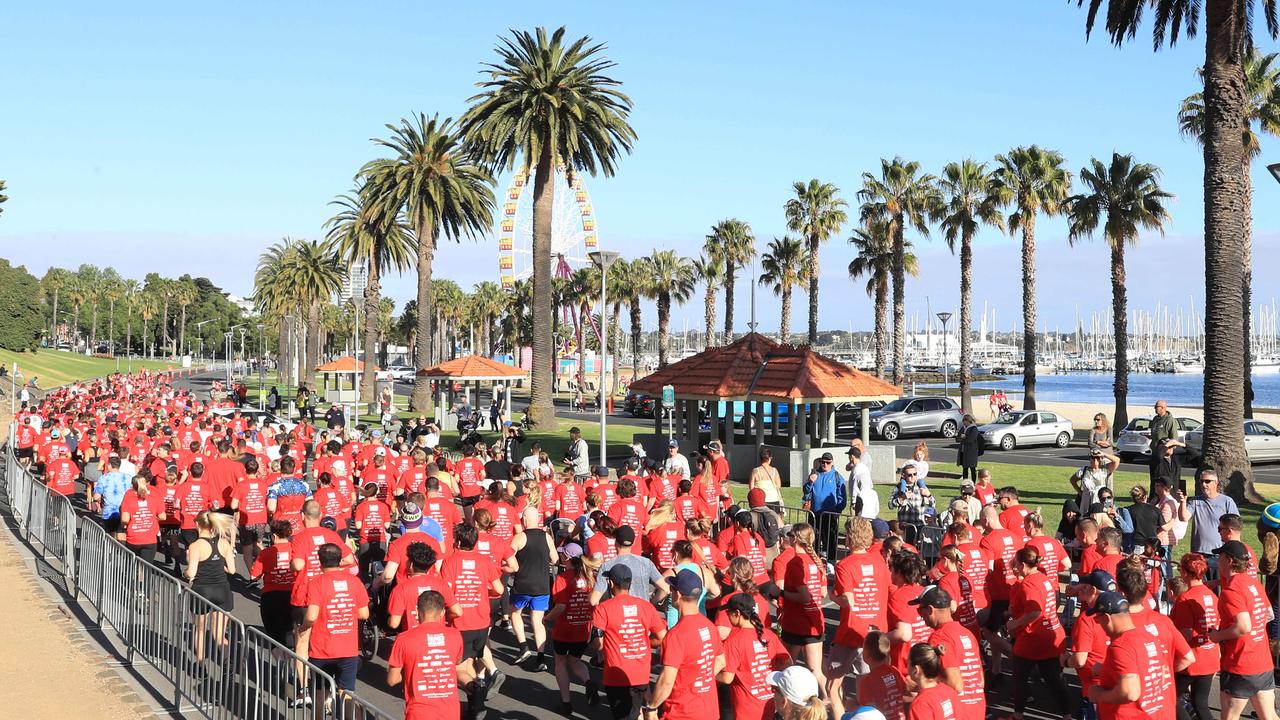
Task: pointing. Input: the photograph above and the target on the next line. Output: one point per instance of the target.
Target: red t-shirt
(569, 500)
(335, 633)
(251, 494)
(778, 570)
(882, 688)
(900, 611)
(384, 477)
(804, 618)
(1250, 654)
(373, 515)
(429, 655)
(1001, 546)
(1109, 563)
(866, 579)
(626, 623)
(60, 475)
(691, 647)
(193, 497)
(1043, 637)
(1011, 519)
(749, 545)
(1136, 652)
(404, 596)
(1088, 636)
(470, 474)
(445, 512)
(963, 652)
(412, 480)
(494, 548)
(1089, 557)
(762, 609)
(573, 592)
(751, 659)
(657, 544)
(939, 702)
(630, 512)
(304, 545)
(144, 528)
(603, 547)
(398, 551)
(333, 503)
(504, 518)
(1051, 554)
(222, 474)
(1196, 610)
(471, 575)
(274, 566)
(957, 586)
(977, 566)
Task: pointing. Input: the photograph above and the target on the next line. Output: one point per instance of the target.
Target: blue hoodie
(826, 492)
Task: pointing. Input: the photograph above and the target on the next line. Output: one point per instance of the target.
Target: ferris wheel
(573, 228)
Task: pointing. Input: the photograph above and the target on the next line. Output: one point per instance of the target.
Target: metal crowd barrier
(219, 667)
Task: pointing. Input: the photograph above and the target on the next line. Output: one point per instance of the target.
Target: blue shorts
(531, 602)
(342, 670)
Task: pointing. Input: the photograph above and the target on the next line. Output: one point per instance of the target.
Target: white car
(1027, 427)
(1134, 441)
(402, 373)
(1261, 442)
(263, 417)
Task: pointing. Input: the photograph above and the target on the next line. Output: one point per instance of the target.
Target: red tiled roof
(342, 365)
(755, 367)
(474, 367)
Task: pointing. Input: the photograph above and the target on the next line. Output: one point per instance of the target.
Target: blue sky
(173, 138)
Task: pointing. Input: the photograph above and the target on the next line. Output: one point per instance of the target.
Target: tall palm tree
(1031, 180)
(618, 281)
(1228, 32)
(184, 294)
(873, 242)
(1262, 108)
(112, 291)
(1123, 197)
(275, 298)
(635, 291)
(671, 280)
(313, 274)
(548, 104)
(968, 203)
(584, 288)
(517, 329)
(817, 212)
(148, 307)
(53, 283)
(784, 265)
(129, 294)
(442, 191)
(77, 294)
(487, 301)
(362, 232)
(901, 197)
(709, 269)
(732, 243)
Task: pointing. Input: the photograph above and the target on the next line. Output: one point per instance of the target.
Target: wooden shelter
(332, 375)
(469, 371)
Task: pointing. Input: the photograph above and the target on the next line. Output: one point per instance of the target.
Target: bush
(21, 322)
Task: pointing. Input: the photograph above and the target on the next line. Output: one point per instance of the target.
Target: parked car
(263, 417)
(919, 415)
(1027, 427)
(397, 372)
(644, 406)
(1134, 441)
(1261, 442)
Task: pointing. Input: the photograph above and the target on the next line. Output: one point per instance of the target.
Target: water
(1144, 388)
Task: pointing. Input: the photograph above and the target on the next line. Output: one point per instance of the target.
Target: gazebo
(343, 368)
(759, 393)
(469, 371)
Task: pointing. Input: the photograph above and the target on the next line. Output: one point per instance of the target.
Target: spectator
(765, 478)
(911, 499)
(866, 503)
(1091, 478)
(1144, 517)
(1203, 511)
(970, 449)
(824, 492)
(1168, 467)
(1163, 427)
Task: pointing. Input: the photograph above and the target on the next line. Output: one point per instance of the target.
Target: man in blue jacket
(824, 499)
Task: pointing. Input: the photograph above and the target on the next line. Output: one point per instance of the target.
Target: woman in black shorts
(210, 565)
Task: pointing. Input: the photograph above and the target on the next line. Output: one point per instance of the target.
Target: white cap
(866, 712)
(795, 683)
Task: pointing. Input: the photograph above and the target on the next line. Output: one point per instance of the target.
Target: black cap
(1233, 549)
(1100, 579)
(575, 430)
(1109, 603)
(933, 596)
(742, 602)
(619, 573)
(624, 535)
(601, 471)
(826, 457)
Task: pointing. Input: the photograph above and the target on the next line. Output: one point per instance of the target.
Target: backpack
(766, 525)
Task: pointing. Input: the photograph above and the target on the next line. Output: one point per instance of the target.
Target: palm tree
(785, 265)
(1262, 107)
(733, 245)
(618, 281)
(487, 302)
(1228, 32)
(817, 213)
(547, 104)
(672, 279)
(517, 329)
(53, 283)
(968, 203)
(1031, 180)
(874, 243)
(1122, 197)
(583, 289)
(77, 294)
(148, 306)
(709, 269)
(274, 297)
(442, 191)
(184, 294)
(313, 274)
(634, 291)
(362, 232)
(3, 197)
(112, 291)
(901, 197)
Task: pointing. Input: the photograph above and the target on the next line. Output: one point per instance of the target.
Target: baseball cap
(575, 430)
(934, 597)
(1109, 603)
(571, 550)
(1233, 549)
(688, 583)
(879, 529)
(967, 486)
(330, 523)
(795, 683)
(619, 573)
(755, 498)
(410, 513)
(714, 445)
(673, 443)
(55, 433)
(1100, 579)
(866, 712)
(827, 457)
(625, 535)
(600, 471)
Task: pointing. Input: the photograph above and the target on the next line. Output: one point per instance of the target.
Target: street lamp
(944, 317)
(603, 258)
(262, 380)
(200, 336)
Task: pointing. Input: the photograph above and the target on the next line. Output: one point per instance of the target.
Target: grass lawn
(55, 367)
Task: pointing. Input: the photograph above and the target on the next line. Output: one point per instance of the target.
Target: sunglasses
(910, 475)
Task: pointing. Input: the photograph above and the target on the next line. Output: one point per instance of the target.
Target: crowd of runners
(645, 590)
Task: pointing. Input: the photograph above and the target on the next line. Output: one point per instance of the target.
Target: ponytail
(813, 709)
(804, 538)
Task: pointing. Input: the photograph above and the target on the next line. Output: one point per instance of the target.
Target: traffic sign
(668, 396)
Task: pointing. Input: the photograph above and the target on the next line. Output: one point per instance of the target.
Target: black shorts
(625, 701)
(277, 615)
(467, 501)
(1243, 687)
(219, 596)
(251, 534)
(570, 649)
(24, 453)
(473, 642)
(789, 638)
(298, 613)
(146, 553)
(343, 670)
(997, 614)
(111, 525)
(186, 537)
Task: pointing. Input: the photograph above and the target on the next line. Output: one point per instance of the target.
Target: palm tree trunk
(899, 304)
(814, 267)
(111, 329)
(542, 413)
(709, 313)
(282, 351)
(420, 399)
(164, 325)
(93, 336)
(144, 335)
(882, 324)
(582, 347)
(128, 334)
(1246, 285)
(730, 281)
(55, 318)
(635, 336)
(784, 325)
(1224, 213)
(615, 331)
(369, 339)
(1029, 312)
(664, 321)
(182, 343)
(966, 322)
(312, 357)
(1120, 317)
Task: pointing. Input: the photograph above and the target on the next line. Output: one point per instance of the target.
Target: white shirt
(921, 466)
(678, 461)
(860, 486)
(530, 464)
(432, 439)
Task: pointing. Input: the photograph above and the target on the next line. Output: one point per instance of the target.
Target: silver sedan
(1261, 442)
(1134, 440)
(1027, 427)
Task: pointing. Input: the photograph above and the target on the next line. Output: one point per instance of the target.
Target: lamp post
(200, 336)
(603, 258)
(944, 317)
(262, 380)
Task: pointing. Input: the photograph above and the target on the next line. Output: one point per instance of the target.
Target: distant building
(246, 306)
(357, 280)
